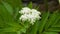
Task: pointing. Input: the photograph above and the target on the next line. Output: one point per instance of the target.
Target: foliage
(10, 24)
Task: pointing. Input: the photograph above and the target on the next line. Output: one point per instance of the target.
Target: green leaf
(30, 5)
(37, 7)
(18, 32)
(8, 24)
(33, 28)
(20, 4)
(16, 12)
(54, 29)
(9, 29)
(50, 33)
(43, 21)
(8, 33)
(6, 16)
(8, 7)
(51, 20)
(14, 3)
(56, 22)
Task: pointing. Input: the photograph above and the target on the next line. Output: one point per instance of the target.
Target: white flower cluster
(30, 15)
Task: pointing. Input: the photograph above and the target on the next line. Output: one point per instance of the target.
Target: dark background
(52, 4)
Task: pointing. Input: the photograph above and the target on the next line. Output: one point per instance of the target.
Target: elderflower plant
(30, 15)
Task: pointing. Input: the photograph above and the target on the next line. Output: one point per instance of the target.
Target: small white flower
(25, 10)
(30, 15)
(35, 12)
(32, 21)
(23, 18)
(31, 18)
